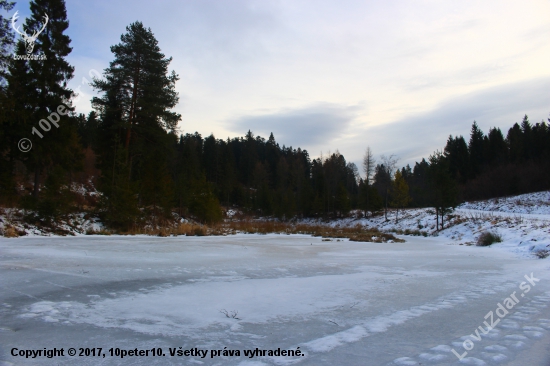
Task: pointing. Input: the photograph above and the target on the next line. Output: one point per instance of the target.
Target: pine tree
(138, 94)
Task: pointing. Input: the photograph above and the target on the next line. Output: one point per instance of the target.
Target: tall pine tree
(138, 94)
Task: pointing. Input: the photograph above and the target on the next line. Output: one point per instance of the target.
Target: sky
(327, 76)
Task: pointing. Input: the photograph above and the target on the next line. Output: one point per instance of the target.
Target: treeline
(144, 169)
(487, 166)
(494, 166)
(491, 165)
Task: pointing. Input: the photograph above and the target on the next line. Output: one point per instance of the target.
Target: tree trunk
(397, 215)
(36, 182)
(386, 207)
(367, 197)
(132, 112)
(437, 218)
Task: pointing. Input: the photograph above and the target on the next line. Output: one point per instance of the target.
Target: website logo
(29, 40)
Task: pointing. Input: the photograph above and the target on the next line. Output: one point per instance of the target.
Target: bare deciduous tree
(368, 165)
(368, 168)
(390, 164)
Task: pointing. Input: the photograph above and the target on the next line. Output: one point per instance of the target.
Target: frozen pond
(338, 302)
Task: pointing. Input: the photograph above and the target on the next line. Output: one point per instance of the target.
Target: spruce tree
(497, 150)
(527, 129)
(36, 93)
(475, 149)
(49, 78)
(515, 143)
(456, 151)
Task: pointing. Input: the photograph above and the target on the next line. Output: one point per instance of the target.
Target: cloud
(305, 127)
(420, 135)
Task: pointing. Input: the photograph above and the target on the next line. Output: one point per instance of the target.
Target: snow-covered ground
(523, 222)
(530, 203)
(337, 302)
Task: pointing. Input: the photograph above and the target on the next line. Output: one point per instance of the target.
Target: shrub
(10, 232)
(487, 238)
(204, 204)
(544, 253)
(200, 231)
(92, 231)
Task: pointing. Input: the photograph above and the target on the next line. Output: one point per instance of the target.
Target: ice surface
(342, 303)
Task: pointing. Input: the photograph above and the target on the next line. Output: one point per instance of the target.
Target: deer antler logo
(29, 40)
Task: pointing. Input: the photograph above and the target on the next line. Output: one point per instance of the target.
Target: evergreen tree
(16, 110)
(400, 193)
(44, 82)
(515, 142)
(383, 179)
(87, 129)
(375, 201)
(541, 141)
(497, 151)
(443, 187)
(527, 132)
(419, 185)
(203, 203)
(7, 38)
(382, 183)
(138, 94)
(456, 151)
(475, 148)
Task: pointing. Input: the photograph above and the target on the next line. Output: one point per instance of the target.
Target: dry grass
(98, 232)
(355, 233)
(174, 229)
(10, 232)
(250, 226)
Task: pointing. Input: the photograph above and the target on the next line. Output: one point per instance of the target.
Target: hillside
(523, 222)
